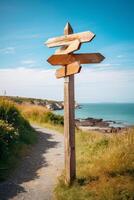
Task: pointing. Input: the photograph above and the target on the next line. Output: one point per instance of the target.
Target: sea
(121, 113)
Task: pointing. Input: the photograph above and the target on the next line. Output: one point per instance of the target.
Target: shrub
(105, 168)
(8, 136)
(53, 118)
(40, 114)
(15, 134)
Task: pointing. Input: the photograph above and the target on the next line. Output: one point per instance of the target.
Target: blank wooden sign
(83, 58)
(68, 39)
(70, 63)
(68, 70)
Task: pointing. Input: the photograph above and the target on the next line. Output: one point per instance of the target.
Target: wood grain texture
(70, 65)
(85, 58)
(68, 70)
(67, 39)
(69, 123)
(73, 46)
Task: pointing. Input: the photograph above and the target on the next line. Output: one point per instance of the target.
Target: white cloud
(120, 56)
(31, 83)
(101, 65)
(28, 62)
(109, 64)
(7, 50)
(92, 85)
(107, 85)
(35, 36)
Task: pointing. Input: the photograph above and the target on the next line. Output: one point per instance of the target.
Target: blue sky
(25, 25)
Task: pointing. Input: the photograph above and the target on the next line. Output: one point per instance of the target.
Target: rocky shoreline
(58, 105)
(83, 124)
(50, 104)
(98, 125)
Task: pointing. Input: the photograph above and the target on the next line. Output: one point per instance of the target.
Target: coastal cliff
(49, 104)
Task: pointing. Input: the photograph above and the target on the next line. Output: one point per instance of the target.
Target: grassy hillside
(42, 116)
(16, 135)
(105, 168)
(105, 162)
(51, 104)
(21, 100)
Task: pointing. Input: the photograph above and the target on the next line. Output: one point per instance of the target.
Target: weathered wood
(74, 46)
(69, 123)
(85, 58)
(67, 39)
(68, 29)
(61, 59)
(70, 69)
(71, 65)
(69, 58)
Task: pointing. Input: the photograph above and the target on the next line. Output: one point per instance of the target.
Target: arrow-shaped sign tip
(103, 57)
(100, 57)
(49, 60)
(91, 36)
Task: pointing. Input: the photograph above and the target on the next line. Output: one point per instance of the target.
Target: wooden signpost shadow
(70, 65)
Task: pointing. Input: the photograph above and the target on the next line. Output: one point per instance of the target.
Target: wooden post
(69, 123)
(70, 65)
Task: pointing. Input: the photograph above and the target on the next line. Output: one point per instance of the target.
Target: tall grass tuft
(41, 115)
(105, 168)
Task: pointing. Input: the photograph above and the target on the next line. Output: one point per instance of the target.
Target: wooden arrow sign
(70, 65)
(67, 39)
(70, 69)
(69, 58)
(74, 46)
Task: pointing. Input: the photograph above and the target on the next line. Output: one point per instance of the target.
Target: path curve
(36, 176)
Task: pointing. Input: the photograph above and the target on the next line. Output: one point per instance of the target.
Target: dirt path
(37, 174)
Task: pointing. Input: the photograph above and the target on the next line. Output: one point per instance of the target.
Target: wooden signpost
(68, 70)
(69, 38)
(70, 65)
(70, 58)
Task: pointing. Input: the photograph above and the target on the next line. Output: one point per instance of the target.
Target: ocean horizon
(121, 113)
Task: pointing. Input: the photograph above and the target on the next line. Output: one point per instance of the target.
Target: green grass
(41, 116)
(105, 168)
(105, 163)
(30, 101)
(16, 136)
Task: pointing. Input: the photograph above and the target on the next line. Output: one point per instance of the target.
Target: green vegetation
(105, 162)
(42, 116)
(105, 168)
(16, 135)
(34, 101)
(46, 117)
